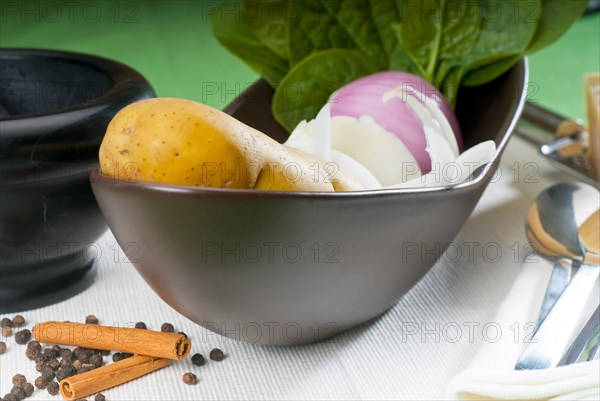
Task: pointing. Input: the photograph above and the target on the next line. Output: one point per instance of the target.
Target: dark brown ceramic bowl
(289, 268)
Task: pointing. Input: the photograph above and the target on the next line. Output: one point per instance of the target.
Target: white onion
(377, 158)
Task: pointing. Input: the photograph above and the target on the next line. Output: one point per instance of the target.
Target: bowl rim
(112, 69)
(479, 174)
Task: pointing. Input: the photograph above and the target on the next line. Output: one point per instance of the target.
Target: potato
(295, 170)
(177, 141)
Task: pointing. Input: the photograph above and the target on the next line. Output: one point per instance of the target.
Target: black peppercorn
(52, 388)
(140, 325)
(64, 372)
(91, 319)
(167, 328)
(216, 354)
(34, 345)
(18, 392)
(99, 397)
(76, 364)
(18, 379)
(23, 336)
(2, 347)
(41, 382)
(31, 353)
(96, 360)
(18, 320)
(190, 378)
(53, 364)
(48, 373)
(50, 353)
(7, 331)
(28, 388)
(86, 367)
(57, 348)
(78, 352)
(6, 322)
(66, 353)
(117, 356)
(10, 397)
(198, 359)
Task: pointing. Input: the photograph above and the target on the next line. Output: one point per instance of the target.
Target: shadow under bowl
(295, 267)
(54, 110)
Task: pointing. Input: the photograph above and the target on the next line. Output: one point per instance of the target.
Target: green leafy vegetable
(238, 35)
(444, 33)
(506, 30)
(270, 25)
(308, 85)
(557, 17)
(307, 49)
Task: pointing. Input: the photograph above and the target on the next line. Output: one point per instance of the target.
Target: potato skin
(181, 142)
(177, 141)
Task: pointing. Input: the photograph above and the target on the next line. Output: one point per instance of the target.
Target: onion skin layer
(365, 97)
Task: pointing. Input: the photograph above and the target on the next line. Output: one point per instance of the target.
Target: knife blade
(586, 342)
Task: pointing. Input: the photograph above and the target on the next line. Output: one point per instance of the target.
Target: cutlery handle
(561, 275)
(552, 337)
(586, 341)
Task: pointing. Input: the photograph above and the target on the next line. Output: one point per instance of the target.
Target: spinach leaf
(307, 86)
(399, 60)
(268, 20)
(490, 72)
(384, 14)
(557, 16)
(440, 30)
(420, 34)
(316, 46)
(335, 24)
(314, 29)
(363, 31)
(451, 84)
(506, 30)
(555, 19)
(236, 34)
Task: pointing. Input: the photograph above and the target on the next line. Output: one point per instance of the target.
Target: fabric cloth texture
(491, 375)
(468, 314)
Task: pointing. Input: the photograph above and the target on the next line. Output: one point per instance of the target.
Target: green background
(171, 43)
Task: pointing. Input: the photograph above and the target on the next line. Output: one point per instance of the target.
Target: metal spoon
(548, 344)
(552, 224)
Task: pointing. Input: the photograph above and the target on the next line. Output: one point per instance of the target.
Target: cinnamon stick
(123, 339)
(108, 376)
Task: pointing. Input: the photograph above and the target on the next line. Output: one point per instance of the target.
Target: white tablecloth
(411, 352)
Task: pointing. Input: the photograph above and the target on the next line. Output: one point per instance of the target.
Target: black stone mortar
(54, 110)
